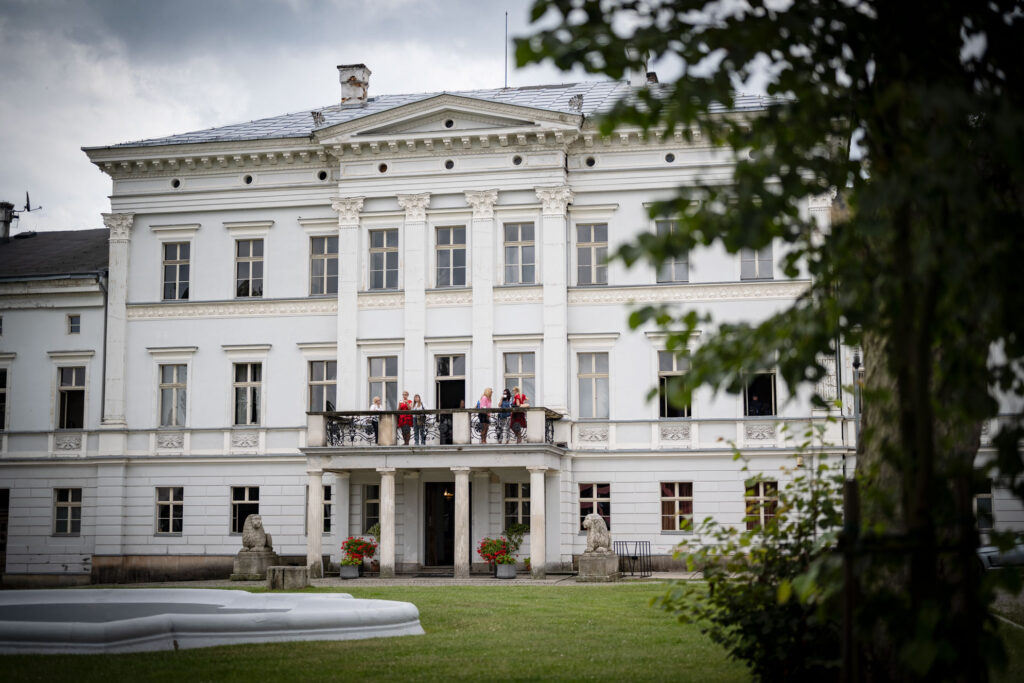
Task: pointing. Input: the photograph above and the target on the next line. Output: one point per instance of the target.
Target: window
(670, 365)
(517, 504)
(3, 398)
(520, 262)
(756, 265)
(983, 506)
(596, 498)
(384, 380)
(759, 396)
(176, 271)
(327, 510)
(74, 324)
(173, 385)
(762, 502)
(383, 259)
(677, 506)
(520, 371)
(676, 269)
(323, 266)
(249, 268)
(593, 378)
(67, 512)
(591, 254)
(170, 509)
(371, 506)
(323, 378)
(245, 501)
(248, 381)
(71, 398)
(451, 257)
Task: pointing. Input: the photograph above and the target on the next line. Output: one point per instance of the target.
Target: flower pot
(349, 571)
(506, 571)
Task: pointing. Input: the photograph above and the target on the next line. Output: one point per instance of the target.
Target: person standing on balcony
(404, 419)
(419, 422)
(502, 428)
(484, 418)
(519, 416)
(375, 406)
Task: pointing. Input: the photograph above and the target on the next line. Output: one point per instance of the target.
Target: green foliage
(515, 533)
(771, 590)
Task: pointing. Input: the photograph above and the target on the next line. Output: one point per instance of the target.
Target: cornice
(726, 291)
(205, 158)
(519, 295)
(375, 300)
(455, 297)
(232, 309)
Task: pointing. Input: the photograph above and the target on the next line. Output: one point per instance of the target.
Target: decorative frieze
(170, 440)
(482, 203)
(462, 297)
(759, 431)
(120, 225)
(68, 442)
(518, 295)
(675, 432)
(233, 309)
(554, 200)
(415, 206)
(594, 434)
(245, 439)
(348, 209)
(781, 289)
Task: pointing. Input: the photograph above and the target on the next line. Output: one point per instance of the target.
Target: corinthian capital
(482, 202)
(554, 199)
(348, 209)
(119, 224)
(415, 205)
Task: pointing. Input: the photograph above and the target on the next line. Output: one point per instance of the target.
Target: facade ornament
(69, 442)
(675, 432)
(170, 440)
(120, 225)
(594, 434)
(822, 202)
(415, 206)
(555, 200)
(760, 432)
(482, 202)
(348, 209)
(245, 439)
(826, 387)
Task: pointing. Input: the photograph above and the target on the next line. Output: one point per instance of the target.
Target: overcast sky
(81, 73)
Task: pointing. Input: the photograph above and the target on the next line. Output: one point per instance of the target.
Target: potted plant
(374, 531)
(499, 556)
(355, 549)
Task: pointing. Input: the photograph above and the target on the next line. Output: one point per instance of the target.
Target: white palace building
(259, 283)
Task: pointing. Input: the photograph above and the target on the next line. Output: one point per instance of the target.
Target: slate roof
(598, 97)
(65, 252)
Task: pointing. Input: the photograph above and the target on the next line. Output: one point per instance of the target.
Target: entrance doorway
(449, 391)
(439, 523)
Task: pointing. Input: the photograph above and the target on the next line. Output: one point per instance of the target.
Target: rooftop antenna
(8, 214)
(506, 50)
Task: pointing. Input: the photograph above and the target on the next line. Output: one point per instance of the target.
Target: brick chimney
(355, 82)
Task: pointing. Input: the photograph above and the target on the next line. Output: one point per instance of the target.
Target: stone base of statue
(287, 578)
(251, 565)
(598, 568)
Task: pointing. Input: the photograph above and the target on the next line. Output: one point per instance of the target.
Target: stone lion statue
(254, 537)
(599, 540)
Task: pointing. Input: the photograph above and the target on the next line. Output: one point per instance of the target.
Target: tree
(912, 112)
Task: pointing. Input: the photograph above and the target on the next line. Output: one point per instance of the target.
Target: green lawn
(473, 633)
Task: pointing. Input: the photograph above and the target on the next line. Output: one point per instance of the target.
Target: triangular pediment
(447, 115)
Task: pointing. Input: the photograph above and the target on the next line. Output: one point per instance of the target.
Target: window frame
(385, 381)
(5, 391)
(593, 375)
(594, 500)
(233, 520)
(177, 263)
(759, 260)
(598, 265)
(74, 323)
(70, 505)
(526, 381)
(667, 274)
(249, 385)
(384, 251)
(327, 257)
(176, 386)
(367, 501)
(664, 377)
(520, 498)
(451, 248)
(983, 491)
(65, 390)
(677, 500)
(329, 386)
(251, 260)
(172, 504)
(760, 495)
(748, 380)
(517, 247)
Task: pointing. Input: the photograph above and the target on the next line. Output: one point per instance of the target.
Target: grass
(472, 633)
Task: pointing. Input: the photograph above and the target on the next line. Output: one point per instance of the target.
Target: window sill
(676, 533)
(168, 535)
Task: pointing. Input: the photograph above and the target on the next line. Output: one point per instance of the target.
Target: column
(387, 522)
(413, 241)
(538, 537)
(480, 510)
(411, 511)
(342, 501)
(482, 249)
(315, 523)
(349, 278)
(554, 237)
(461, 522)
(120, 227)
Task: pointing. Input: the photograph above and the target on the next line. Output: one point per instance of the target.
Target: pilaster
(538, 522)
(461, 522)
(414, 245)
(387, 522)
(553, 237)
(342, 499)
(315, 523)
(482, 371)
(349, 277)
(110, 497)
(411, 523)
(115, 442)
